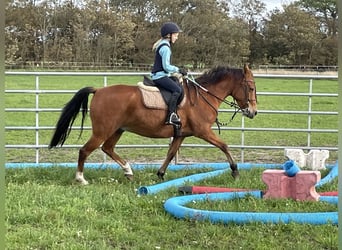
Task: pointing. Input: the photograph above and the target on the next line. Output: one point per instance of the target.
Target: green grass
(47, 210)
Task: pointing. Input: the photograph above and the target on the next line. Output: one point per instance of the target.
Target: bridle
(248, 89)
(231, 104)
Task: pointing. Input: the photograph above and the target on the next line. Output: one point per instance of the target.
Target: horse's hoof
(80, 178)
(129, 177)
(235, 174)
(160, 175)
(82, 181)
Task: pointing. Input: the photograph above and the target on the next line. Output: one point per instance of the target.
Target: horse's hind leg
(108, 148)
(173, 148)
(92, 144)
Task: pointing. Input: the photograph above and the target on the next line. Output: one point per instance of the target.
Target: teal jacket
(165, 55)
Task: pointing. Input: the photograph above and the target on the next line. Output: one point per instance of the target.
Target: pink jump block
(299, 187)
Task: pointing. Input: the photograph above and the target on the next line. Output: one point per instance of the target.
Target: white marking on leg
(79, 177)
(127, 169)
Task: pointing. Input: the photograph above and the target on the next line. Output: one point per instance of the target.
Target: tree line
(215, 32)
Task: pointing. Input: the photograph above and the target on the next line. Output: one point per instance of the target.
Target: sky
(272, 4)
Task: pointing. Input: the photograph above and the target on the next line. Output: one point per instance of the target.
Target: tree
(109, 34)
(252, 12)
(326, 11)
(210, 36)
(291, 36)
(21, 34)
(215, 31)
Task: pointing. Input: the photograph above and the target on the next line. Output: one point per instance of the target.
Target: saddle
(155, 97)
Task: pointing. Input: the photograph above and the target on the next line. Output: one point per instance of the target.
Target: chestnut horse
(119, 108)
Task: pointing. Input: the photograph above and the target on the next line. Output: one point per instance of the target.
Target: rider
(162, 69)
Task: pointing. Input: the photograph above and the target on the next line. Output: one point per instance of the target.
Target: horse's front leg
(173, 148)
(216, 141)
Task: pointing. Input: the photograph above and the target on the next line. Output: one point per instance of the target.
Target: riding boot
(172, 117)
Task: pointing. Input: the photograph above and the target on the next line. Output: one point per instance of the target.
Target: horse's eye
(251, 89)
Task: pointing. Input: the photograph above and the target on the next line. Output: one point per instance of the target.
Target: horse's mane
(218, 73)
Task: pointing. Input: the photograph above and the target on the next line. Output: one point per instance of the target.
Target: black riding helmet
(169, 28)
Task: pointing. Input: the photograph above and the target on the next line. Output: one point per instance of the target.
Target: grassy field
(45, 209)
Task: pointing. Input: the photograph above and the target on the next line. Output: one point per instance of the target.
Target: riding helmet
(169, 28)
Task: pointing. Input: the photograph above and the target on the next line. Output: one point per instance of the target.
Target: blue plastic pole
(330, 176)
(142, 166)
(143, 190)
(175, 206)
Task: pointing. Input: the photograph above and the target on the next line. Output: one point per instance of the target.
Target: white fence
(308, 112)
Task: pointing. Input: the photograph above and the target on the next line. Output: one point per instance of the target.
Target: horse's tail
(69, 114)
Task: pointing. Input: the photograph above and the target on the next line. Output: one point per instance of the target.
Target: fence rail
(124, 67)
(308, 112)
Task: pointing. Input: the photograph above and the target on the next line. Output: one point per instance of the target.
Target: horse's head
(245, 94)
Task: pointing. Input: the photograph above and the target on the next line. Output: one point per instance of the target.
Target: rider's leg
(175, 88)
(172, 117)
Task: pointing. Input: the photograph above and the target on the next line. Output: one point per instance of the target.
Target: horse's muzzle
(249, 113)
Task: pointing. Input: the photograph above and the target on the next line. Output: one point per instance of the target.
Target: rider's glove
(183, 71)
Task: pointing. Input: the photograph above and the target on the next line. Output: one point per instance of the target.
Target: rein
(232, 104)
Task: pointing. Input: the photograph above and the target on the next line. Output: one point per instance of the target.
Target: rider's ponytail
(155, 45)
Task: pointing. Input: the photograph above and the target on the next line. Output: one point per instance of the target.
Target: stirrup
(173, 119)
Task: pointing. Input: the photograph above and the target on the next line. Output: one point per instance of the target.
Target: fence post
(37, 119)
(105, 83)
(242, 139)
(309, 113)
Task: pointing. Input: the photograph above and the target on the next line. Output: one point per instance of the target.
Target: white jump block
(296, 155)
(314, 160)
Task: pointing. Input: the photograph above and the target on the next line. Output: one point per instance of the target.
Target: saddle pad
(152, 97)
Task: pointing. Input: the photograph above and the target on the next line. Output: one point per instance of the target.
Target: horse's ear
(246, 68)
